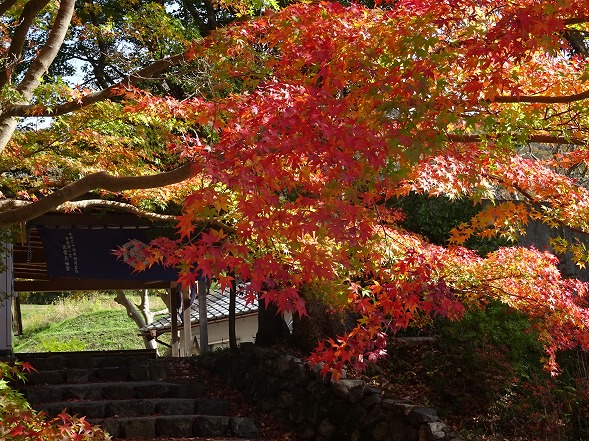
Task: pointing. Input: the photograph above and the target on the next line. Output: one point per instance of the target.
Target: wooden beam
(71, 284)
(24, 255)
(31, 273)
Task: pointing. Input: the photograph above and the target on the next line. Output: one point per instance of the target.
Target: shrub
(19, 422)
(435, 217)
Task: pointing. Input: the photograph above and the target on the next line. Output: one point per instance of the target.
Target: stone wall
(538, 235)
(286, 388)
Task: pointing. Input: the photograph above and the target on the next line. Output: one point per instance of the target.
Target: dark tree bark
(272, 328)
(320, 323)
(232, 301)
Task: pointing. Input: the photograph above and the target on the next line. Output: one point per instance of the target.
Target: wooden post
(202, 288)
(186, 325)
(6, 294)
(17, 315)
(174, 314)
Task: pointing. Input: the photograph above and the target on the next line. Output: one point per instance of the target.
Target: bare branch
(112, 91)
(99, 180)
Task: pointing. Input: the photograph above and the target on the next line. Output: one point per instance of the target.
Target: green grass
(91, 323)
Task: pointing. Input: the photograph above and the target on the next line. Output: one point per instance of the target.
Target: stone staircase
(130, 394)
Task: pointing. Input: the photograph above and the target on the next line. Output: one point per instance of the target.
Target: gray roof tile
(217, 309)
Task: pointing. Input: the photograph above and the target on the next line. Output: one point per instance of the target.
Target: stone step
(84, 360)
(135, 372)
(130, 395)
(124, 390)
(178, 426)
(143, 407)
(60, 368)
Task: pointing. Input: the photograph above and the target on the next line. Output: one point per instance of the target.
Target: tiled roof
(217, 309)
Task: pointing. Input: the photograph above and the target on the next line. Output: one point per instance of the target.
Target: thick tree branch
(202, 26)
(49, 51)
(134, 315)
(99, 63)
(39, 66)
(5, 6)
(211, 15)
(576, 20)
(100, 180)
(19, 37)
(542, 99)
(544, 139)
(88, 203)
(131, 309)
(114, 90)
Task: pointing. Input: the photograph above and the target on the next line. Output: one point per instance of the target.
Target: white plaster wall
(245, 329)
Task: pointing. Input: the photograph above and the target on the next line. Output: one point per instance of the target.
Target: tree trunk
(145, 308)
(271, 325)
(320, 323)
(136, 316)
(232, 302)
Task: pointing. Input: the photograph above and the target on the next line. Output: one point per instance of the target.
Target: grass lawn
(89, 322)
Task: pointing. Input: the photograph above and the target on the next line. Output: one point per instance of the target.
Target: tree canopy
(296, 129)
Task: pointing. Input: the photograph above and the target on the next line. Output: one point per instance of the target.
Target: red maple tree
(322, 113)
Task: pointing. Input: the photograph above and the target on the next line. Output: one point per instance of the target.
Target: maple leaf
(17, 430)
(26, 366)
(225, 281)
